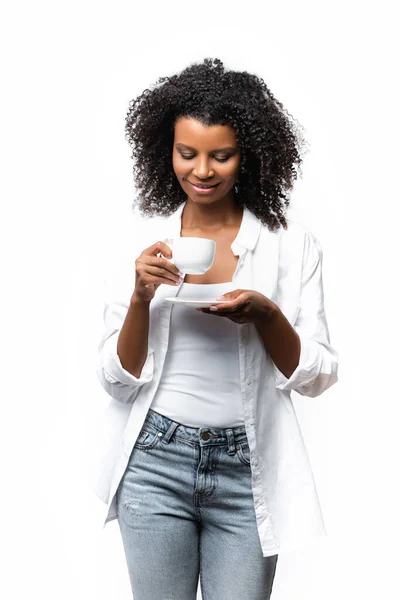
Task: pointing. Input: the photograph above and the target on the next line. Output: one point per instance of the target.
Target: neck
(212, 216)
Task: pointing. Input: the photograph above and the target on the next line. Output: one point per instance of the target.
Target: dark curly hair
(270, 140)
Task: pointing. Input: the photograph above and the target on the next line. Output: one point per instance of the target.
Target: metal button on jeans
(205, 435)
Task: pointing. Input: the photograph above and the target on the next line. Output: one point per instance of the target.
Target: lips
(203, 186)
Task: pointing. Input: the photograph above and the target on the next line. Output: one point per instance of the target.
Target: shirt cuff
(114, 372)
(316, 371)
(307, 369)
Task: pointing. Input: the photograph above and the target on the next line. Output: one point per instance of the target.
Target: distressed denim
(185, 510)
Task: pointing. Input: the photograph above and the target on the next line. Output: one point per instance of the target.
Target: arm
(132, 347)
(124, 367)
(317, 365)
(281, 341)
(136, 327)
(126, 360)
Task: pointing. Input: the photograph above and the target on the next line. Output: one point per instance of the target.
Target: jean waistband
(203, 435)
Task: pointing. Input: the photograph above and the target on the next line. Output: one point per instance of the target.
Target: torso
(225, 261)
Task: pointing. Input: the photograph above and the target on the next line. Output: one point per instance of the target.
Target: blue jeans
(185, 509)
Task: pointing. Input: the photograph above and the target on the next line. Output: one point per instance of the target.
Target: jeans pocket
(243, 453)
(147, 438)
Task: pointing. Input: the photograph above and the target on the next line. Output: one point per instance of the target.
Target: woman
(206, 471)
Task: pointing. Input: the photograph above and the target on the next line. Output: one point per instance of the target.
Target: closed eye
(218, 159)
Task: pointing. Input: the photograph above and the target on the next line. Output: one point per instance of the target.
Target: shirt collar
(246, 238)
(248, 233)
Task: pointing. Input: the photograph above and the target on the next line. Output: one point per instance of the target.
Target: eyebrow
(216, 150)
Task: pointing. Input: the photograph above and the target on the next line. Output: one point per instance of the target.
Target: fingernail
(220, 298)
(213, 308)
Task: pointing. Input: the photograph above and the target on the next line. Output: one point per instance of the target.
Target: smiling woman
(254, 144)
(210, 474)
(213, 167)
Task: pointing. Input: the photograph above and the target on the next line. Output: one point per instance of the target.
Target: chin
(201, 199)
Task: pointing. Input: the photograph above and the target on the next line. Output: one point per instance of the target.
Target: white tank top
(200, 384)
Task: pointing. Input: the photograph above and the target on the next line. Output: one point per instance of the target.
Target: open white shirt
(285, 266)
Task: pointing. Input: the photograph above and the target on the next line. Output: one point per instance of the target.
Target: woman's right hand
(153, 270)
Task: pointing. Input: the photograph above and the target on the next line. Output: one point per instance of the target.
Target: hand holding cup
(152, 270)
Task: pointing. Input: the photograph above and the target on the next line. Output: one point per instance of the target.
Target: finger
(153, 279)
(228, 307)
(156, 249)
(164, 273)
(234, 304)
(231, 295)
(159, 262)
(219, 312)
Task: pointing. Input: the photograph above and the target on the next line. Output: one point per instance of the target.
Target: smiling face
(206, 155)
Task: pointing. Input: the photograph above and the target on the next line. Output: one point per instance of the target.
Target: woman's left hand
(244, 306)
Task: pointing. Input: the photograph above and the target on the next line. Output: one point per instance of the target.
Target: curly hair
(270, 140)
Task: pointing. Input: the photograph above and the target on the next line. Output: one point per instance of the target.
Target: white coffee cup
(192, 255)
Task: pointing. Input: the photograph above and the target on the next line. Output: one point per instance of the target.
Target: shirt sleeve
(318, 365)
(119, 383)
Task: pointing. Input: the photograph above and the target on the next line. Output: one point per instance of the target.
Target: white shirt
(200, 381)
(285, 266)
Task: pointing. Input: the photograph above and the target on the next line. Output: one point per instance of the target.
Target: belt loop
(169, 433)
(231, 441)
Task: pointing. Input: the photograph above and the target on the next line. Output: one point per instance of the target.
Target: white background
(68, 72)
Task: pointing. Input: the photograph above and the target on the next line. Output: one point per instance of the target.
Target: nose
(202, 169)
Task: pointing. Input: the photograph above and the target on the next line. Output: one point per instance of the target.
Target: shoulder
(295, 246)
(298, 235)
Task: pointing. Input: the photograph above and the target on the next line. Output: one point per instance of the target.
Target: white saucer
(195, 303)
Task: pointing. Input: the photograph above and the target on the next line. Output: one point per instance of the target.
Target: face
(205, 155)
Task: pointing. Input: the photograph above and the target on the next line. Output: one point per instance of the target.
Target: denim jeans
(185, 509)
